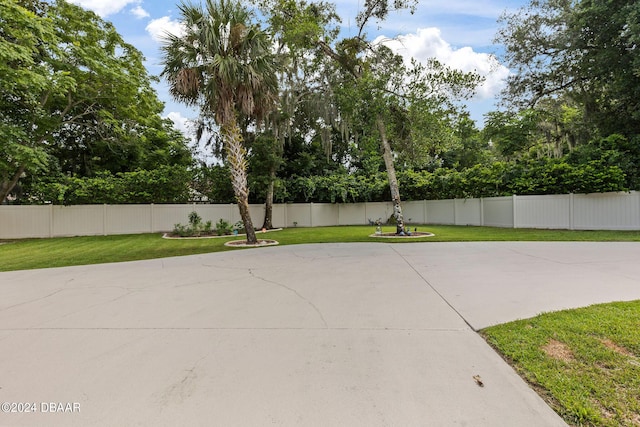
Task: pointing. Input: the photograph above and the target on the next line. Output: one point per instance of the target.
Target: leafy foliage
(223, 65)
(223, 227)
(586, 50)
(74, 98)
(165, 184)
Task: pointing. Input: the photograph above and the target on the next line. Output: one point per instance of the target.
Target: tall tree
(28, 81)
(223, 65)
(296, 27)
(68, 79)
(587, 50)
(369, 80)
(309, 23)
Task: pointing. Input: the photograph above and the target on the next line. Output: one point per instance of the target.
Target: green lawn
(585, 363)
(59, 252)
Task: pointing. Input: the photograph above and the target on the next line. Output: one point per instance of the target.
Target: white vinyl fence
(606, 211)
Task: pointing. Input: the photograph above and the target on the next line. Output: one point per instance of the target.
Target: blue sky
(458, 32)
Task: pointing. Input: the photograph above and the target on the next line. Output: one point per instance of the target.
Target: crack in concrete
(593, 265)
(33, 300)
(206, 282)
(433, 288)
(327, 256)
(315, 308)
(542, 258)
(64, 316)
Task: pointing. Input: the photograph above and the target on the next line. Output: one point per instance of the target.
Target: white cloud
(428, 43)
(158, 28)
(104, 7)
(181, 123)
(139, 12)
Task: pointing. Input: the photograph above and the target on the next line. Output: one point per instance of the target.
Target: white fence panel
(498, 211)
(351, 213)
(377, 211)
(414, 212)
(129, 219)
(279, 216)
(84, 220)
(468, 211)
(611, 211)
(324, 214)
(441, 211)
(21, 222)
(548, 211)
(165, 217)
(215, 213)
(299, 215)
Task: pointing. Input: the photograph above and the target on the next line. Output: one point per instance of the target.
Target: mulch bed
(414, 235)
(244, 244)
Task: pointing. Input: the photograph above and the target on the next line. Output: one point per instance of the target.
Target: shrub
(182, 230)
(223, 227)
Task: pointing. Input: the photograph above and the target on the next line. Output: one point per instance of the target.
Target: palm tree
(223, 65)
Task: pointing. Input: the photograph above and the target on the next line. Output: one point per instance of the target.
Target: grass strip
(59, 252)
(585, 362)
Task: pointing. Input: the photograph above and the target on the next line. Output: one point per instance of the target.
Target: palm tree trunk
(387, 155)
(236, 156)
(268, 204)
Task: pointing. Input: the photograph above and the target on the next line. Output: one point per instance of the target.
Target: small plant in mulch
(197, 228)
(223, 227)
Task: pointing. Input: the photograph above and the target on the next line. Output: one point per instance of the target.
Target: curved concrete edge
(362, 334)
(243, 243)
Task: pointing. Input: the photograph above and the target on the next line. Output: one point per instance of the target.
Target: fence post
(104, 219)
(515, 211)
(482, 211)
(455, 212)
(365, 220)
(50, 219)
(311, 213)
(635, 193)
(571, 212)
(424, 212)
(286, 214)
(151, 218)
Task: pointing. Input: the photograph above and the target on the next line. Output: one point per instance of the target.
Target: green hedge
(172, 184)
(544, 176)
(166, 184)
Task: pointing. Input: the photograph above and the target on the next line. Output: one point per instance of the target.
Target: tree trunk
(387, 155)
(236, 156)
(268, 204)
(243, 207)
(6, 187)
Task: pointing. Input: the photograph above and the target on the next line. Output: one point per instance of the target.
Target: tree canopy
(300, 113)
(585, 50)
(76, 99)
(223, 65)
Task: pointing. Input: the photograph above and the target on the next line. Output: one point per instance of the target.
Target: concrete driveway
(313, 335)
